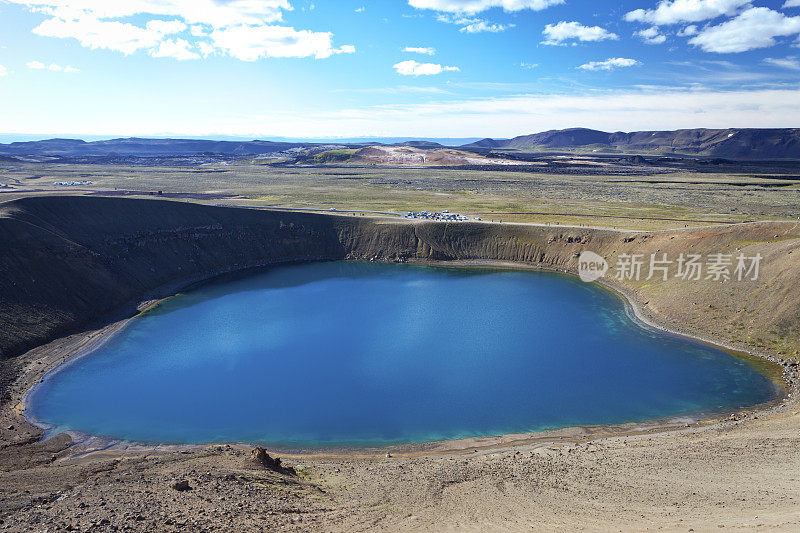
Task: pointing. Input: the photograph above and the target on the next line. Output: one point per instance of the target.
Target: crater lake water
(349, 353)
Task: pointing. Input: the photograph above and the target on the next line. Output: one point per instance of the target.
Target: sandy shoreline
(58, 356)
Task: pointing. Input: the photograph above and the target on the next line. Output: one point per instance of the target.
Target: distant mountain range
(733, 143)
(144, 147)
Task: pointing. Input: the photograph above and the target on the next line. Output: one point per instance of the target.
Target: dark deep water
(360, 353)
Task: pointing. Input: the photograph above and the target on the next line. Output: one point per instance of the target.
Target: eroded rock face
(259, 458)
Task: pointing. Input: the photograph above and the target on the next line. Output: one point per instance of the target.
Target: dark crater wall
(67, 262)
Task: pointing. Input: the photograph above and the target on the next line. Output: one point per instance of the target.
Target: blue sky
(427, 68)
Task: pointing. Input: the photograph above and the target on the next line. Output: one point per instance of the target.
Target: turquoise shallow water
(356, 353)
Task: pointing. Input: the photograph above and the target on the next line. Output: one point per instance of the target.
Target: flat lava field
(579, 191)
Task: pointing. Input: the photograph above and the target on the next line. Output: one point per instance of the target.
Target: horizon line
(7, 138)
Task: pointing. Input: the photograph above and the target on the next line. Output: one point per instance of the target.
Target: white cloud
(755, 28)
(791, 63)
(558, 33)
(414, 68)
(476, 6)
(206, 49)
(240, 28)
(250, 43)
(38, 65)
(166, 27)
(94, 33)
(609, 64)
(651, 35)
(212, 12)
(528, 66)
(420, 50)
(361, 9)
(676, 11)
(688, 31)
(3, 71)
(482, 26)
(198, 30)
(791, 3)
(179, 49)
(472, 24)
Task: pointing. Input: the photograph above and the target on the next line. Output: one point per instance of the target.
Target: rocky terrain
(74, 266)
(739, 475)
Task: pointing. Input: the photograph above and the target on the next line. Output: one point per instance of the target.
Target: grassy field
(671, 200)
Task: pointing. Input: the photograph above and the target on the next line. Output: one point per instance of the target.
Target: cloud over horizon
(666, 108)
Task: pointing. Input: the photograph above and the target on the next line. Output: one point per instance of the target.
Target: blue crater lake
(350, 353)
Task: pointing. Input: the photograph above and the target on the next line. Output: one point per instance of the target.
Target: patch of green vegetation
(303, 472)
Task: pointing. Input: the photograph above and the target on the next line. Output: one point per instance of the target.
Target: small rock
(182, 486)
(260, 458)
(11, 427)
(388, 455)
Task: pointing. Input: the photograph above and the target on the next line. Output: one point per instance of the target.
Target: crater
(350, 353)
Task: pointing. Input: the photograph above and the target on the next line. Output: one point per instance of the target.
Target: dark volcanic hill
(733, 143)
